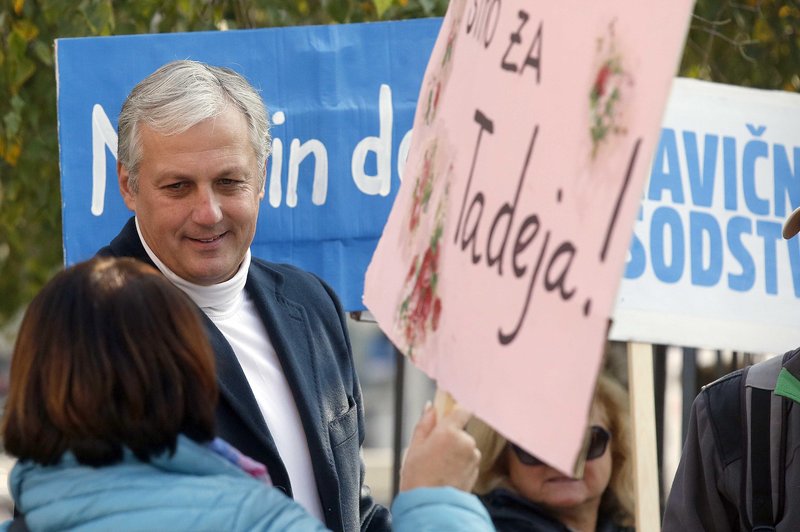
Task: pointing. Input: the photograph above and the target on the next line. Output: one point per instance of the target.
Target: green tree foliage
(755, 43)
(752, 42)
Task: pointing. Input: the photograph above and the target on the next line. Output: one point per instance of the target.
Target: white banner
(707, 266)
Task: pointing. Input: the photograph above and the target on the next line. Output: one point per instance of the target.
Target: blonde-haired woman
(524, 494)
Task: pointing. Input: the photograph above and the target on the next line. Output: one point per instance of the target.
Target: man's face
(198, 197)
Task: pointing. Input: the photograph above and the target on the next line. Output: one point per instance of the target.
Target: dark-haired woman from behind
(111, 414)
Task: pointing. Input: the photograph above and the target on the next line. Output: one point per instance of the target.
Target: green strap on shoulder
(788, 386)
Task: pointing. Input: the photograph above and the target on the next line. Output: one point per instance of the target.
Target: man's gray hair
(181, 94)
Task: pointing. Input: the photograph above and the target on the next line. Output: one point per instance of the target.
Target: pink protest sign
(499, 265)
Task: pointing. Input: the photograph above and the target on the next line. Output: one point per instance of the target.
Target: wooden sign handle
(643, 425)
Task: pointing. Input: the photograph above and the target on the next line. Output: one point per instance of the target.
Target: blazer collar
(128, 244)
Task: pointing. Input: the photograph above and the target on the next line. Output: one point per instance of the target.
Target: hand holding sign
(440, 452)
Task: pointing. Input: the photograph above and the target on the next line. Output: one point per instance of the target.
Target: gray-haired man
(193, 146)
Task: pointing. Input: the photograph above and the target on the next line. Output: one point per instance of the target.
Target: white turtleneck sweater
(231, 309)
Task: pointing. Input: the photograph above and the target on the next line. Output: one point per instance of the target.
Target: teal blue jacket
(196, 489)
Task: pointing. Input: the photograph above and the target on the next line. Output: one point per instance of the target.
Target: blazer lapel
(287, 325)
(235, 389)
(127, 244)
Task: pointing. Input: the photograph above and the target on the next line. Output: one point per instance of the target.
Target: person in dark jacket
(192, 153)
(522, 493)
(111, 414)
(709, 491)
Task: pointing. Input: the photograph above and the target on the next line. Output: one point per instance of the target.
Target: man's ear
(127, 194)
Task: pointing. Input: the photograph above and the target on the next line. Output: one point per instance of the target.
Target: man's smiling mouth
(209, 240)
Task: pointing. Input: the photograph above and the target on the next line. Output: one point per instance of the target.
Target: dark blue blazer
(307, 327)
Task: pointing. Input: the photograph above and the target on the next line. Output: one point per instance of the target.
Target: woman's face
(558, 493)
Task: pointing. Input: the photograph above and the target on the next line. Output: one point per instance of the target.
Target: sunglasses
(598, 443)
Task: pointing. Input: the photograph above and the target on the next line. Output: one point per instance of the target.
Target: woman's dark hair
(109, 355)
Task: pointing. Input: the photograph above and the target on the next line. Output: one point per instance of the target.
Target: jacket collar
(788, 384)
(128, 244)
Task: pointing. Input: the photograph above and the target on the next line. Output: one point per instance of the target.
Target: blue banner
(341, 99)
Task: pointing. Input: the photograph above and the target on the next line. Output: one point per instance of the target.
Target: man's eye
(175, 186)
(227, 182)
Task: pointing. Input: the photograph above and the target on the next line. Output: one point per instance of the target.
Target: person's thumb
(457, 417)
(426, 423)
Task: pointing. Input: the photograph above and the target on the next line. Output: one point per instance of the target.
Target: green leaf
(99, 15)
(26, 30)
(429, 6)
(43, 52)
(338, 9)
(381, 6)
(16, 45)
(17, 103)
(23, 71)
(186, 8)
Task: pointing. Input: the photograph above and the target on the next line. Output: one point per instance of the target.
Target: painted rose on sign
(423, 187)
(420, 307)
(608, 93)
(438, 79)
